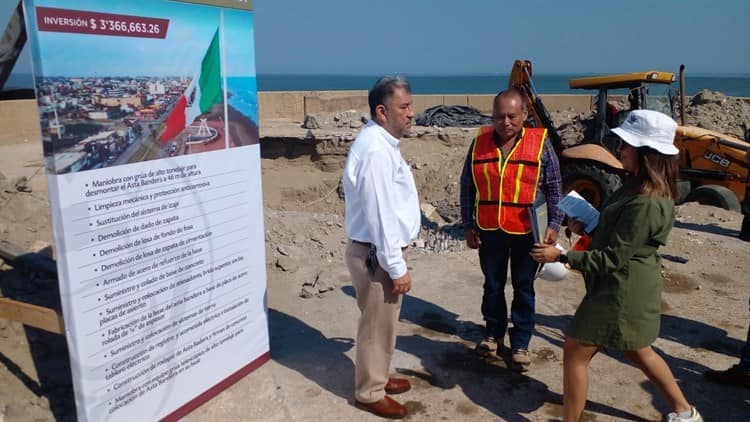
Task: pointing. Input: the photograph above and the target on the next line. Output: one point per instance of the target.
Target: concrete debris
(707, 96)
(446, 239)
(282, 250)
(287, 264)
(349, 119)
(317, 285)
(430, 216)
(311, 122)
(21, 184)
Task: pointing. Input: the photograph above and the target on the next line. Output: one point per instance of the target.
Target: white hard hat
(553, 271)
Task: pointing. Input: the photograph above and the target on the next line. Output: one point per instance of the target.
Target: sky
(485, 36)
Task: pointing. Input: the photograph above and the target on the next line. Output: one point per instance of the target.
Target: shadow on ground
(698, 335)
(708, 228)
(49, 352)
(487, 383)
(306, 350)
(432, 317)
(715, 402)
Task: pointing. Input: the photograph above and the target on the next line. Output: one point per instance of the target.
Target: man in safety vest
(506, 168)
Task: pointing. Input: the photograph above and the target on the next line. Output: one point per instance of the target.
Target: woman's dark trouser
(497, 248)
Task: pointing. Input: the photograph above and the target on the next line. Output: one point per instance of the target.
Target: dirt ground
(313, 314)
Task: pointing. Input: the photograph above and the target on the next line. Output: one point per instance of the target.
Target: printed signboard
(148, 112)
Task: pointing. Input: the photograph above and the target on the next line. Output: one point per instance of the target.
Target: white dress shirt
(382, 207)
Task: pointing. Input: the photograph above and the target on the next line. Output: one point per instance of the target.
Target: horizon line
(702, 74)
(688, 74)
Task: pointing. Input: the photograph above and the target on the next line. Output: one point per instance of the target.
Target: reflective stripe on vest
(503, 202)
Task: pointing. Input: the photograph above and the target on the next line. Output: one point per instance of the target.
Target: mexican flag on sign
(204, 91)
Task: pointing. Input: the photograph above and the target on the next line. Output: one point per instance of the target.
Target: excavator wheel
(715, 195)
(594, 183)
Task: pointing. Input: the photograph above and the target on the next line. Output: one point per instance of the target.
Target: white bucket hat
(648, 128)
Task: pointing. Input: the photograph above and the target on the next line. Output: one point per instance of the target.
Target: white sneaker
(694, 416)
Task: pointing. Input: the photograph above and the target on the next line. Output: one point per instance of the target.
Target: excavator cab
(713, 166)
(649, 90)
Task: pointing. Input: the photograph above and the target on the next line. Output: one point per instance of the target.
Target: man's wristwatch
(563, 258)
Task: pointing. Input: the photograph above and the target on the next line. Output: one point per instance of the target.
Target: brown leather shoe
(397, 386)
(385, 408)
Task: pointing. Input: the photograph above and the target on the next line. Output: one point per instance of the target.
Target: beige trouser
(376, 329)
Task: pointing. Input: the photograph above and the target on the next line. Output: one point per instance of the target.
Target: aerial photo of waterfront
(147, 98)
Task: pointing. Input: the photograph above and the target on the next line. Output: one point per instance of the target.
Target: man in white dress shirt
(382, 218)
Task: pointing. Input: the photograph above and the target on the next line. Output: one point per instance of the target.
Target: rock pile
(349, 119)
(715, 111)
(707, 109)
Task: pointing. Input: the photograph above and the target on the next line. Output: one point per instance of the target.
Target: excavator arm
(11, 43)
(589, 169)
(520, 78)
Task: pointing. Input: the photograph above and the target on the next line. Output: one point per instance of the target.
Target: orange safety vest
(506, 190)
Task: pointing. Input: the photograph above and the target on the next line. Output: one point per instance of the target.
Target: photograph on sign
(117, 88)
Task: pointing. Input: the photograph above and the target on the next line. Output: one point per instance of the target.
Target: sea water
(732, 85)
(244, 96)
(735, 85)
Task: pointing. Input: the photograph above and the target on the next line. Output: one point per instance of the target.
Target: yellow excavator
(713, 166)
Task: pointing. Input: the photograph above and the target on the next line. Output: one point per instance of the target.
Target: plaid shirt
(550, 183)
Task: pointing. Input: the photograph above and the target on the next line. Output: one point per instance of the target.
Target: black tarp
(454, 116)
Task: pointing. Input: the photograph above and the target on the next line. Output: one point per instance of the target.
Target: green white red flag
(203, 92)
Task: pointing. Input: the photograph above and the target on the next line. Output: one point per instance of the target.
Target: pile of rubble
(715, 111)
(351, 119)
(708, 110)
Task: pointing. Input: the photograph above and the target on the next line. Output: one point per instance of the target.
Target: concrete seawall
(18, 118)
(294, 105)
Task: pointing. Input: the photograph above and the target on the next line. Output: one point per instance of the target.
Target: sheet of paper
(575, 206)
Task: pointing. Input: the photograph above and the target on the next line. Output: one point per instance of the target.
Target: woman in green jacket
(621, 267)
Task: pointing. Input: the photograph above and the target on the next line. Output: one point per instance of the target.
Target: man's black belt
(369, 245)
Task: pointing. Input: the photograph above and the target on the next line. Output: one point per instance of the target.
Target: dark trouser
(496, 249)
(745, 228)
(745, 354)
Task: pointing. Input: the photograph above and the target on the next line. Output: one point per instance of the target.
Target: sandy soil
(310, 376)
